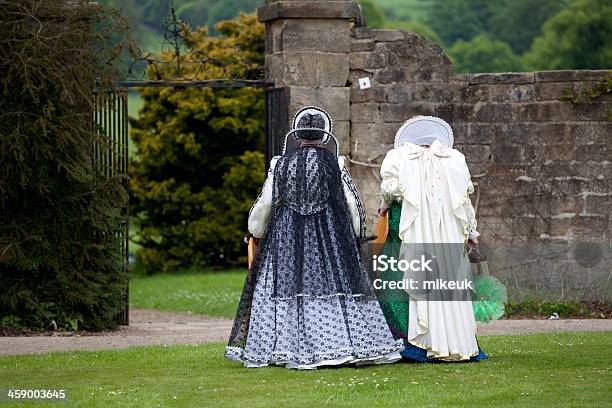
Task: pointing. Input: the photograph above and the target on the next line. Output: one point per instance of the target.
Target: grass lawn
(214, 293)
(551, 370)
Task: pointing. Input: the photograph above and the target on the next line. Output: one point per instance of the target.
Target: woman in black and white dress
(307, 300)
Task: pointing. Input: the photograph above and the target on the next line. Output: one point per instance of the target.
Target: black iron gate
(277, 120)
(110, 159)
(110, 113)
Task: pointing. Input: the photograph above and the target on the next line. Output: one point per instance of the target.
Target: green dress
(394, 303)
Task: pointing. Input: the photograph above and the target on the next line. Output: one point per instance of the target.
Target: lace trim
(239, 354)
(348, 180)
(317, 296)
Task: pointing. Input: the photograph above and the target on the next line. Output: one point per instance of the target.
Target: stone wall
(542, 165)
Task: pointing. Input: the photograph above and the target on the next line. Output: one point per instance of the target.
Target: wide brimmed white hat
(424, 130)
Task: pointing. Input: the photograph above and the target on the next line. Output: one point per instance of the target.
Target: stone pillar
(307, 50)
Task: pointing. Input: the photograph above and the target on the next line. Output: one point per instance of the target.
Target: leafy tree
(374, 16)
(413, 11)
(575, 38)
(219, 10)
(483, 54)
(454, 20)
(197, 173)
(518, 22)
(146, 16)
(515, 22)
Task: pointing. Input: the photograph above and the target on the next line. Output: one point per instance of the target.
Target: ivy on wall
(591, 93)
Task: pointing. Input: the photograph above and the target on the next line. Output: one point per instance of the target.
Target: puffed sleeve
(390, 186)
(358, 215)
(261, 209)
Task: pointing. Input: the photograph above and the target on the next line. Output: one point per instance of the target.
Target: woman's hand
(382, 211)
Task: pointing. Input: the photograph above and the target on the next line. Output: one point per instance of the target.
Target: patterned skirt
(306, 332)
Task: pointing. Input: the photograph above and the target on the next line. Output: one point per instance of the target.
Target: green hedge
(59, 266)
(565, 309)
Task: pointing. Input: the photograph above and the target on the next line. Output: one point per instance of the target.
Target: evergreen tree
(199, 167)
(59, 214)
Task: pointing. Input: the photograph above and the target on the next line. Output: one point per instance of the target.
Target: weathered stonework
(308, 45)
(542, 165)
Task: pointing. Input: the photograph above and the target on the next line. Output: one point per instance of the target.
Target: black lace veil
(309, 248)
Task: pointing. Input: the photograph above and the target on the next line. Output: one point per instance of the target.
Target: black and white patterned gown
(307, 300)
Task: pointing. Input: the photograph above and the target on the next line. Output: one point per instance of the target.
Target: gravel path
(152, 327)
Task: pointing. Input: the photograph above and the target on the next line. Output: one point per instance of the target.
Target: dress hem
(381, 356)
(444, 356)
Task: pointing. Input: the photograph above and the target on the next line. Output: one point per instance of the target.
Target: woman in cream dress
(431, 182)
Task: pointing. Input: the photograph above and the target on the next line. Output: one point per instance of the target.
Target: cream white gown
(433, 185)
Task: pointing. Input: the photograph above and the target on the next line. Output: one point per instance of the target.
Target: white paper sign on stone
(364, 83)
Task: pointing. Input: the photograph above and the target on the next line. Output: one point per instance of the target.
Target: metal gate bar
(277, 121)
(110, 153)
(110, 159)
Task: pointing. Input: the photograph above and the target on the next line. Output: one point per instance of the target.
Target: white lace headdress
(313, 110)
(424, 130)
(329, 141)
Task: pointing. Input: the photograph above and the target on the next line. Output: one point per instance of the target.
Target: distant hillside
(414, 11)
(478, 35)
(147, 16)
